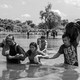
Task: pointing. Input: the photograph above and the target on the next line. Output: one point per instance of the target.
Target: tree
(29, 22)
(42, 25)
(50, 18)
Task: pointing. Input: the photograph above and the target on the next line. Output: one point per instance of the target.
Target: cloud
(6, 6)
(23, 3)
(25, 15)
(63, 15)
(73, 2)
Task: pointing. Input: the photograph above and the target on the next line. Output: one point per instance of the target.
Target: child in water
(33, 52)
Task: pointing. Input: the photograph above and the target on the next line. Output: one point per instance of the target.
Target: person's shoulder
(39, 52)
(62, 46)
(17, 45)
(28, 51)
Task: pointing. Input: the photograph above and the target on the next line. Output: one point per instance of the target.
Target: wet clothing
(12, 52)
(70, 54)
(31, 56)
(42, 44)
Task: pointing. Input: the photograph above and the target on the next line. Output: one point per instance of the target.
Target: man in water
(12, 51)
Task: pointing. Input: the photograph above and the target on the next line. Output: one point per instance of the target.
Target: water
(50, 70)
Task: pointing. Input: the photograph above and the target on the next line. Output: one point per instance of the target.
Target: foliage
(50, 18)
(42, 25)
(11, 25)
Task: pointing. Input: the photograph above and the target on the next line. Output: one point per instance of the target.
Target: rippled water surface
(50, 70)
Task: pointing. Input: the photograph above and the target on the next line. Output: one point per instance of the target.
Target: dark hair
(42, 37)
(10, 35)
(33, 44)
(72, 29)
(65, 35)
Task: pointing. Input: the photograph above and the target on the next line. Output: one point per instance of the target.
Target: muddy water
(50, 70)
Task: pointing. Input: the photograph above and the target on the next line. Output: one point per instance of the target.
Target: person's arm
(60, 51)
(55, 56)
(17, 56)
(39, 56)
(21, 53)
(42, 55)
(38, 44)
(45, 46)
(11, 57)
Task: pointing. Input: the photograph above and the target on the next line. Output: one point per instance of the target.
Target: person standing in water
(68, 50)
(32, 53)
(12, 51)
(42, 44)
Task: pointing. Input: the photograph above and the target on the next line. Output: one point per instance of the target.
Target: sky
(29, 9)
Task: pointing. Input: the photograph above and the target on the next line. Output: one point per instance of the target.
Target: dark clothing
(42, 43)
(70, 54)
(31, 56)
(1, 45)
(28, 34)
(13, 51)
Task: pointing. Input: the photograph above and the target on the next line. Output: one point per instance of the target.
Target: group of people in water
(14, 53)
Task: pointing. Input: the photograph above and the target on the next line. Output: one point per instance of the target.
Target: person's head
(66, 39)
(73, 30)
(33, 46)
(10, 39)
(42, 37)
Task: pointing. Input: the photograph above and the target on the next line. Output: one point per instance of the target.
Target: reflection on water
(12, 72)
(15, 71)
(33, 72)
(70, 74)
(43, 72)
(39, 71)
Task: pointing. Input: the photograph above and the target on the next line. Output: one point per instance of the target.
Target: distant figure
(11, 50)
(53, 33)
(43, 32)
(42, 44)
(47, 33)
(28, 34)
(56, 33)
